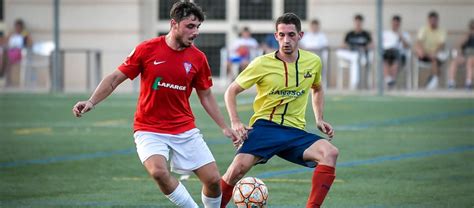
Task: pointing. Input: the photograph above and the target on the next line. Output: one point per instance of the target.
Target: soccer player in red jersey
(284, 80)
(170, 67)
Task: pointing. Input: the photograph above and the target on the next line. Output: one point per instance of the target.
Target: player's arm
(105, 88)
(420, 52)
(371, 45)
(345, 44)
(461, 42)
(404, 39)
(231, 104)
(210, 105)
(318, 107)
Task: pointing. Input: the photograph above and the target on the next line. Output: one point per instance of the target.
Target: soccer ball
(250, 192)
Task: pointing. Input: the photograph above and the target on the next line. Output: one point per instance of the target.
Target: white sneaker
(388, 79)
(433, 83)
(451, 84)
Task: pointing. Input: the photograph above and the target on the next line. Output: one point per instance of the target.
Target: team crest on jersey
(307, 73)
(187, 67)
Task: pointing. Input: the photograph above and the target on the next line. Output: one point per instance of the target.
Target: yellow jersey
(430, 39)
(282, 88)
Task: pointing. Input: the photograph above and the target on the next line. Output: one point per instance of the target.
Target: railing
(39, 57)
(93, 66)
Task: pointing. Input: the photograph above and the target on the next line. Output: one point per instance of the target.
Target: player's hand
(230, 133)
(241, 129)
(82, 107)
(326, 128)
(421, 54)
(433, 57)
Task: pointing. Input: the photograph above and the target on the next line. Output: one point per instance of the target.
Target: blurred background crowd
(426, 44)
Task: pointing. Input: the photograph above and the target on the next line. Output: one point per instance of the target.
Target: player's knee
(332, 152)
(213, 184)
(159, 174)
(238, 171)
(213, 181)
(329, 154)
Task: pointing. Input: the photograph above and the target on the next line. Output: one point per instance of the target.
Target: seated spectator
(241, 51)
(18, 39)
(465, 54)
(429, 45)
(355, 49)
(395, 45)
(314, 40)
(270, 44)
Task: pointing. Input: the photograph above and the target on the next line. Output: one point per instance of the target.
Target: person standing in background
(17, 40)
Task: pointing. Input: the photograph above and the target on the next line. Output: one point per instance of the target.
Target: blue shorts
(267, 139)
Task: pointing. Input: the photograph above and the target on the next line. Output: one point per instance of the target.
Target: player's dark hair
(184, 9)
(315, 22)
(289, 18)
(433, 14)
(359, 17)
(20, 23)
(397, 18)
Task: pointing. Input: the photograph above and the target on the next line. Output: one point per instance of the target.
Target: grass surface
(394, 152)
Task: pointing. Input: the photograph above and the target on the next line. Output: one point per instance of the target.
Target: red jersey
(167, 78)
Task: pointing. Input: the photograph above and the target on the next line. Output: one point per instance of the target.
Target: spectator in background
(395, 45)
(270, 44)
(430, 42)
(2, 58)
(241, 51)
(464, 54)
(314, 40)
(17, 40)
(357, 44)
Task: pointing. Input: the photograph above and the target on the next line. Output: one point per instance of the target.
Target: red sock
(322, 180)
(226, 193)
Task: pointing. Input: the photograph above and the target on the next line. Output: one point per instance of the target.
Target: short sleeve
(132, 66)
(442, 36)
(203, 79)
(324, 41)
(250, 75)
(407, 37)
(318, 76)
(346, 38)
(369, 37)
(421, 34)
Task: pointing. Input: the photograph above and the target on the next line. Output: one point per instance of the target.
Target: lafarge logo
(158, 83)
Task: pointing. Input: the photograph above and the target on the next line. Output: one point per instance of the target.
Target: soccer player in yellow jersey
(284, 80)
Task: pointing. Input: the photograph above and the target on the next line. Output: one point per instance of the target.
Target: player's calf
(240, 166)
(324, 174)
